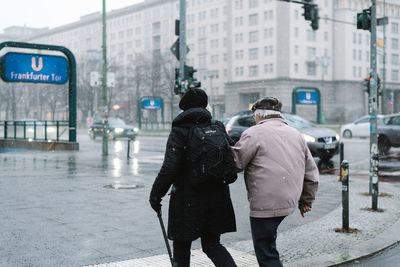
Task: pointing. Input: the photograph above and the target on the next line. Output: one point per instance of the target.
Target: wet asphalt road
(61, 208)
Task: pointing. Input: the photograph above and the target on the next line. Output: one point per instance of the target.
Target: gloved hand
(155, 203)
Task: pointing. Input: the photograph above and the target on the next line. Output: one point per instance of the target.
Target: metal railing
(156, 126)
(35, 130)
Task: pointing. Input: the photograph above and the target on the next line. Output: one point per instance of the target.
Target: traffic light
(188, 76)
(315, 19)
(367, 85)
(311, 13)
(178, 87)
(308, 10)
(364, 20)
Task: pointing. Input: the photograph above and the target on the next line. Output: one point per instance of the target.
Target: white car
(358, 128)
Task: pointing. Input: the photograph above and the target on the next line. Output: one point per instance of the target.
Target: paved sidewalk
(316, 243)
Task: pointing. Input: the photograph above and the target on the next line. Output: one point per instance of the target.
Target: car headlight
(308, 138)
(136, 129)
(337, 137)
(118, 130)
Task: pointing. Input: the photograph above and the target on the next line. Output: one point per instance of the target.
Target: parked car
(358, 128)
(322, 142)
(389, 133)
(117, 128)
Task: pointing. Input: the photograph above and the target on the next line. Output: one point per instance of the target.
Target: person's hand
(304, 209)
(155, 203)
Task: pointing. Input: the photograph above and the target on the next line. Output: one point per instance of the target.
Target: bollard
(129, 148)
(341, 151)
(345, 194)
(375, 181)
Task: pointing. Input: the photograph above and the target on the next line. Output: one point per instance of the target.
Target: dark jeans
(210, 245)
(263, 231)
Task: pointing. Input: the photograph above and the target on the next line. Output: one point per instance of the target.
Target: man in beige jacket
(279, 172)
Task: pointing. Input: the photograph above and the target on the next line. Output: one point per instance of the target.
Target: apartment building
(245, 49)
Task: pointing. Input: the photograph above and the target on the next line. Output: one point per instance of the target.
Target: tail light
(228, 130)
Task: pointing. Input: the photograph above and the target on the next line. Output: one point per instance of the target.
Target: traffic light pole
(104, 83)
(373, 111)
(182, 39)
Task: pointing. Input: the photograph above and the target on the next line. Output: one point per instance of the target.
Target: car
(322, 142)
(389, 133)
(358, 128)
(117, 128)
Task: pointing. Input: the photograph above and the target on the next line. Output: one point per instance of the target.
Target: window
(253, 3)
(395, 59)
(238, 4)
(239, 54)
(311, 69)
(296, 50)
(214, 28)
(395, 75)
(354, 54)
(395, 43)
(253, 71)
(311, 35)
(311, 53)
(326, 36)
(359, 55)
(354, 38)
(239, 38)
(238, 21)
(253, 19)
(138, 30)
(354, 71)
(214, 43)
(253, 53)
(129, 33)
(214, 59)
(296, 14)
(395, 27)
(296, 68)
(359, 38)
(296, 32)
(253, 36)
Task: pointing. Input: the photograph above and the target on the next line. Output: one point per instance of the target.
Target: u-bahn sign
(307, 98)
(34, 68)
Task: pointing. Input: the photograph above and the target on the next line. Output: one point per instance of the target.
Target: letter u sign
(40, 66)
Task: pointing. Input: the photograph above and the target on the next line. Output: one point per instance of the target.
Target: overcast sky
(51, 13)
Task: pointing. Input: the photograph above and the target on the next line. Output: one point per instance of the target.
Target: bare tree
(86, 94)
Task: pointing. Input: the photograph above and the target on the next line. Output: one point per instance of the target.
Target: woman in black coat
(207, 212)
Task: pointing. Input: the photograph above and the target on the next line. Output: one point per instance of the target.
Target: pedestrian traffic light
(364, 20)
(177, 28)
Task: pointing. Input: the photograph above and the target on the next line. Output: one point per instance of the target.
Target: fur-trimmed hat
(270, 103)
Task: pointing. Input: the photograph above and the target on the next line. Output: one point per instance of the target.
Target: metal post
(15, 129)
(24, 130)
(5, 129)
(129, 148)
(375, 186)
(45, 130)
(384, 92)
(341, 151)
(104, 82)
(58, 130)
(345, 194)
(373, 108)
(34, 130)
(182, 38)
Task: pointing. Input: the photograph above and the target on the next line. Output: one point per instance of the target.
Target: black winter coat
(192, 212)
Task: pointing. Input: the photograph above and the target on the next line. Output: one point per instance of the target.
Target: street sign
(34, 68)
(307, 98)
(175, 49)
(382, 21)
(152, 104)
(95, 79)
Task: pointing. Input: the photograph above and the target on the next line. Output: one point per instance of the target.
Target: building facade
(245, 49)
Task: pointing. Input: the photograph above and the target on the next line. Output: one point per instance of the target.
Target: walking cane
(166, 239)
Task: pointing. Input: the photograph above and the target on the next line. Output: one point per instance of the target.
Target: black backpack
(210, 155)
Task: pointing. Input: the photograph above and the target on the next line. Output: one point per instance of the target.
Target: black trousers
(211, 246)
(263, 231)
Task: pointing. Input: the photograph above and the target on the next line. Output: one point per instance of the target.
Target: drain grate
(123, 186)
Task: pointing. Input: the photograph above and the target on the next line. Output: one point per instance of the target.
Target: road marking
(198, 259)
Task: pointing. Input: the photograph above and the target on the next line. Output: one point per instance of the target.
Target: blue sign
(307, 98)
(34, 68)
(152, 104)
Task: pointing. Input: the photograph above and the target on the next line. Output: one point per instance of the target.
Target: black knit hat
(270, 103)
(194, 98)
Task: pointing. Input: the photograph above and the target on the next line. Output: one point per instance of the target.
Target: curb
(366, 249)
